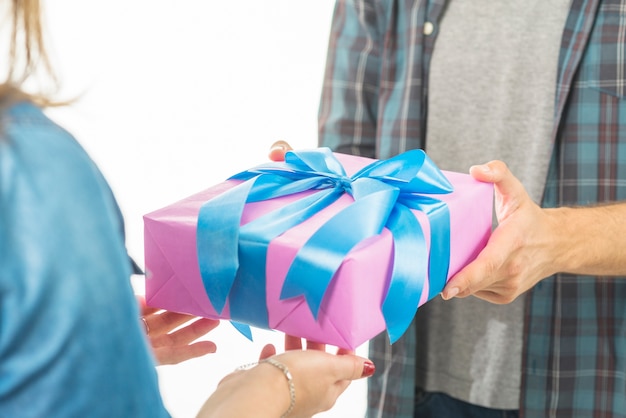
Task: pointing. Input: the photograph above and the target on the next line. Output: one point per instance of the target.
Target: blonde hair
(27, 55)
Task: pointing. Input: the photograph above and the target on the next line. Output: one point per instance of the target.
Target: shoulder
(32, 142)
(52, 195)
(44, 167)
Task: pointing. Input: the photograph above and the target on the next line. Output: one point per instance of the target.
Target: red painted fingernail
(368, 369)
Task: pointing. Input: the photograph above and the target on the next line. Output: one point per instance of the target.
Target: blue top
(70, 339)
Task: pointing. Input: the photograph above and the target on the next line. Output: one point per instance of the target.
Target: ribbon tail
(409, 271)
(319, 258)
(217, 240)
(438, 215)
(243, 329)
(439, 263)
(248, 295)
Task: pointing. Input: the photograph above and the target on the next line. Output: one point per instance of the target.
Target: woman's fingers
(174, 355)
(165, 322)
(268, 351)
(176, 347)
(312, 345)
(292, 343)
(144, 309)
(186, 334)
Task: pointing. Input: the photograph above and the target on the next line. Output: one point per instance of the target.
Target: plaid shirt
(374, 103)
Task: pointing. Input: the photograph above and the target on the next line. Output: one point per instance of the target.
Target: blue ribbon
(232, 259)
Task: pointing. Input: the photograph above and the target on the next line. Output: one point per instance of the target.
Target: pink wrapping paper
(350, 313)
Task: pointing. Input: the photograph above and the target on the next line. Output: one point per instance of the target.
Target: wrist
(588, 240)
(285, 384)
(562, 246)
(257, 391)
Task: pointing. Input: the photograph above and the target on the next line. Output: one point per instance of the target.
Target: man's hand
(520, 251)
(278, 150)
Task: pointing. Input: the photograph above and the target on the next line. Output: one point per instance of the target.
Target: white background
(176, 96)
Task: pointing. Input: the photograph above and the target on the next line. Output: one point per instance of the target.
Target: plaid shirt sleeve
(373, 97)
(349, 103)
(575, 351)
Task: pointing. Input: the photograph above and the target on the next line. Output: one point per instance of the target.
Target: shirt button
(428, 28)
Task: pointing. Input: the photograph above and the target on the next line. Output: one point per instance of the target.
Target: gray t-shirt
(491, 96)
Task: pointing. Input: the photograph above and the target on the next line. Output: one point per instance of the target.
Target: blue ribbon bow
(232, 258)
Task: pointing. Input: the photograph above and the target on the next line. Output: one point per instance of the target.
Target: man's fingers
(492, 172)
(494, 297)
(460, 285)
(498, 173)
(479, 279)
(475, 276)
(278, 150)
(510, 192)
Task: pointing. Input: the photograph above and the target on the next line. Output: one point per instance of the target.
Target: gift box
(325, 246)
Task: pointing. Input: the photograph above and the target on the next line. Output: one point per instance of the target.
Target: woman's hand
(173, 347)
(318, 378)
(295, 343)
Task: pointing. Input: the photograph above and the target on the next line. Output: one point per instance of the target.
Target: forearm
(590, 240)
(259, 392)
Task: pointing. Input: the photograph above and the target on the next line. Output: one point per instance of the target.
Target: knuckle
(505, 299)
(499, 166)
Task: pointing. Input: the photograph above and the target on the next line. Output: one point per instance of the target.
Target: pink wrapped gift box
(350, 313)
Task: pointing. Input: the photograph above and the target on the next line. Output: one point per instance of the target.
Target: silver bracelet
(292, 389)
